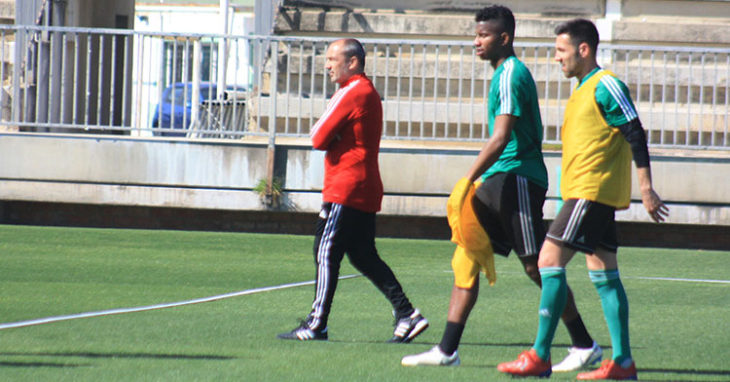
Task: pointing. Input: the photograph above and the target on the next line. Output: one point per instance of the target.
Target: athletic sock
(579, 334)
(451, 338)
(552, 302)
(615, 310)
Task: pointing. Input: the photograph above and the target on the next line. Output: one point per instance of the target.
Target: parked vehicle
(178, 116)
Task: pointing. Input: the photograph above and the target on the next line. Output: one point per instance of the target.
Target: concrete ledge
(213, 175)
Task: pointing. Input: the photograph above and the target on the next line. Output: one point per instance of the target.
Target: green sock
(615, 310)
(552, 302)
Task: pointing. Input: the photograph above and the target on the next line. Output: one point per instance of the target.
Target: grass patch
(680, 329)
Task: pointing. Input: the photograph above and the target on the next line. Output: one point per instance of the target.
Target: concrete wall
(99, 170)
(705, 22)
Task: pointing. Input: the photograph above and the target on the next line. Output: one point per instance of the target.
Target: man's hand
(654, 205)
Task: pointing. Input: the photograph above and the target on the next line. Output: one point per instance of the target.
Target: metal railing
(77, 80)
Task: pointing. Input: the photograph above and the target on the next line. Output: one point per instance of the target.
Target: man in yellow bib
(600, 132)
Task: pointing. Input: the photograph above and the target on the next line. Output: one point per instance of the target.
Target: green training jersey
(513, 92)
(613, 99)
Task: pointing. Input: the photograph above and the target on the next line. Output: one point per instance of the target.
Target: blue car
(178, 117)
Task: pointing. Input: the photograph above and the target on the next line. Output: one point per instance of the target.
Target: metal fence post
(271, 148)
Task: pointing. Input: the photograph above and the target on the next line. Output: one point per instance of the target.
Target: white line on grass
(110, 312)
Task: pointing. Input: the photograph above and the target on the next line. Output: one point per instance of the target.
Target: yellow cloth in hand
(474, 250)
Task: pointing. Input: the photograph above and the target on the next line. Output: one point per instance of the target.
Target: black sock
(579, 334)
(452, 337)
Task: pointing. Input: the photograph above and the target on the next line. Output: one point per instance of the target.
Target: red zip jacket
(349, 130)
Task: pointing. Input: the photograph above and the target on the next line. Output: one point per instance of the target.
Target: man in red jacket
(349, 131)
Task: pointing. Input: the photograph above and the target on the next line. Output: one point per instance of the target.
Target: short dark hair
(580, 31)
(353, 48)
(500, 14)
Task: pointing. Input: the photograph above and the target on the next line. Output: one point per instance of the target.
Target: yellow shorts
(466, 270)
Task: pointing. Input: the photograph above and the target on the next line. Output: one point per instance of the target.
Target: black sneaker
(304, 333)
(407, 328)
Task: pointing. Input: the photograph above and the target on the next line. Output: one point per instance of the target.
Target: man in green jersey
(509, 201)
(601, 132)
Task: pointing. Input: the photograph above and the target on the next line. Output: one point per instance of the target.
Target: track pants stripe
(576, 218)
(525, 211)
(323, 260)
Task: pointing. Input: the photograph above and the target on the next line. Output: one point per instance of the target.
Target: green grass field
(680, 329)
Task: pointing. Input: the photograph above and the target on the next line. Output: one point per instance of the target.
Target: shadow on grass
(40, 364)
(124, 355)
(719, 373)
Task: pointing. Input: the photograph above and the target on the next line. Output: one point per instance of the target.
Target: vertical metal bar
(713, 141)
(223, 74)
(213, 70)
(2, 72)
(125, 86)
(544, 103)
(664, 99)
(299, 87)
(112, 90)
(161, 82)
(398, 90)
(374, 79)
(325, 82)
(16, 86)
(171, 84)
(88, 81)
(434, 125)
(460, 88)
(485, 100)
(64, 58)
(726, 141)
(195, 89)
(39, 63)
(137, 90)
(410, 91)
(651, 94)
(640, 71)
(248, 62)
(77, 62)
(247, 98)
(472, 86)
(547, 97)
(271, 148)
(100, 85)
(689, 101)
(675, 132)
(236, 80)
(26, 77)
(447, 105)
(287, 92)
(311, 84)
(185, 79)
(701, 119)
(51, 77)
(423, 90)
(374, 74)
(386, 74)
(259, 80)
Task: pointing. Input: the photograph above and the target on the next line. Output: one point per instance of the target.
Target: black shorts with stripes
(509, 207)
(584, 225)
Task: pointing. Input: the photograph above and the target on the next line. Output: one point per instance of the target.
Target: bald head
(344, 59)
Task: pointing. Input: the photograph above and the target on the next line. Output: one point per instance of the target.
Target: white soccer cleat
(579, 358)
(433, 357)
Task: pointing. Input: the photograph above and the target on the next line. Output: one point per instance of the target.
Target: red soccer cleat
(610, 370)
(528, 364)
